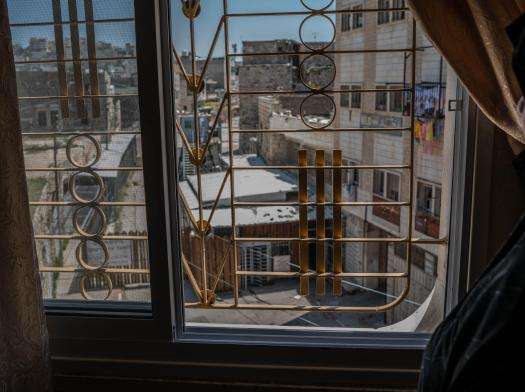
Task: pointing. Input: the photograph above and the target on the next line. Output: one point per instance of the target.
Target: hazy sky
(241, 28)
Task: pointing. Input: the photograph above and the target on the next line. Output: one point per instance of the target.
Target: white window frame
(435, 200)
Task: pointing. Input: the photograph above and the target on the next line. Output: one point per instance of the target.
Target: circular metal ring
(301, 68)
(103, 224)
(104, 276)
(303, 116)
(305, 42)
(98, 179)
(80, 257)
(95, 142)
(317, 9)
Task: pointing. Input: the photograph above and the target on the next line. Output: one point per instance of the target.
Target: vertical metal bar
(61, 66)
(303, 222)
(320, 197)
(77, 66)
(337, 160)
(92, 55)
(412, 153)
(230, 147)
(196, 125)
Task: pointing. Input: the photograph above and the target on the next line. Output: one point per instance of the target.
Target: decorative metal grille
(73, 127)
(202, 287)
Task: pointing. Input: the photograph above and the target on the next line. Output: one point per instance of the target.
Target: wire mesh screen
(78, 92)
(279, 185)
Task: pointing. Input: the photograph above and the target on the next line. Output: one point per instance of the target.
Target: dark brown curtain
(471, 36)
(24, 353)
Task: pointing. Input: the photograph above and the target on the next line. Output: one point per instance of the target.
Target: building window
(383, 16)
(54, 117)
(429, 198)
(352, 175)
(418, 257)
(381, 99)
(379, 183)
(392, 186)
(345, 97)
(355, 101)
(396, 100)
(431, 264)
(400, 250)
(424, 260)
(428, 209)
(346, 21)
(437, 202)
(398, 15)
(392, 182)
(42, 119)
(357, 18)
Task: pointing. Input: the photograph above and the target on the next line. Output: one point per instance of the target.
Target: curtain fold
(24, 352)
(471, 36)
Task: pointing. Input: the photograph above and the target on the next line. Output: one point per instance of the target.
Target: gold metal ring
(303, 115)
(304, 79)
(306, 43)
(304, 2)
(95, 142)
(98, 179)
(104, 276)
(97, 211)
(80, 257)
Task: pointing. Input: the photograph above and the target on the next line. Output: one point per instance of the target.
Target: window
(355, 101)
(227, 270)
(357, 21)
(437, 202)
(83, 155)
(392, 187)
(345, 97)
(428, 208)
(42, 119)
(379, 183)
(430, 264)
(54, 118)
(398, 15)
(381, 99)
(352, 175)
(383, 16)
(346, 21)
(352, 20)
(424, 260)
(429, 198)
(392, 181)
(396, 99)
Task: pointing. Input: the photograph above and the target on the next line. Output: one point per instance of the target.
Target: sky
(241, 28)
(249, 28)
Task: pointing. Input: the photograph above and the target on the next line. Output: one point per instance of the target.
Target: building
(261, 73)
(364, 71)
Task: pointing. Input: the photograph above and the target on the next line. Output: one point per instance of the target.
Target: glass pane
(80, 117)
(300, 154)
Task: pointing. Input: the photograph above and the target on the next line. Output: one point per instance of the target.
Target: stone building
(264, 73)
(390, 70)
